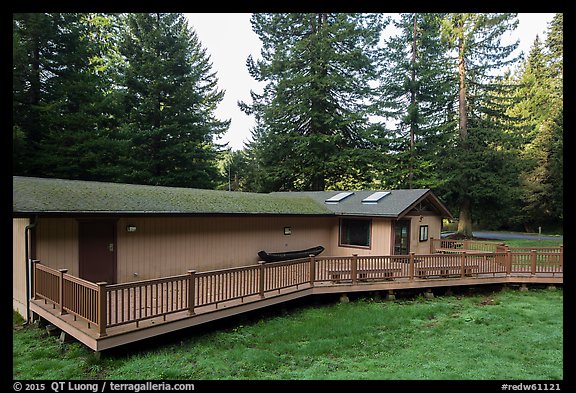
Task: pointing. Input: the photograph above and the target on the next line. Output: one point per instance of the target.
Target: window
(355, 232)
(423, 233)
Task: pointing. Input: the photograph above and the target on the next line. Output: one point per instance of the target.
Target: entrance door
(97, 250)
(402, 237)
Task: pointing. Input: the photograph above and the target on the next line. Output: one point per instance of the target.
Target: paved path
(510, 235)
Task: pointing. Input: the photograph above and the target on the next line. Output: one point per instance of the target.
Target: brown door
(402, 237)
(97, 250)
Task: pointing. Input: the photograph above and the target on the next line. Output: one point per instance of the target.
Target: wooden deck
(105, 316)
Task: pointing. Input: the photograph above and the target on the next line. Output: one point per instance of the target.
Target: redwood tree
(480, 164)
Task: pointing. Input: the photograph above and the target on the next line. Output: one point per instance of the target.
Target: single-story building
(126, 232)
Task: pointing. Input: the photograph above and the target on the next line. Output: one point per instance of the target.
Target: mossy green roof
(40, 195)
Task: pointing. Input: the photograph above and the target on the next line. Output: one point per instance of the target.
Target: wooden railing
(140, 300)
(468, 245)
(71, 294)
(106, 306)
(216, 286)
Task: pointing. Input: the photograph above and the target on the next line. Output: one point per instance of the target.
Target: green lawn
(531, 243)
(505, 334)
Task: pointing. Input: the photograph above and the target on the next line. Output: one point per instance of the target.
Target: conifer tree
(170, 98)
(480, 165)
(59, 96)
(313, 130)
(540, 107)
(417, 90)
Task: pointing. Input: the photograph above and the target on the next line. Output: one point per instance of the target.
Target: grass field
(530, 243)
(480, 334)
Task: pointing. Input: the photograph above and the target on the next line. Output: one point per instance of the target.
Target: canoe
(288, 255)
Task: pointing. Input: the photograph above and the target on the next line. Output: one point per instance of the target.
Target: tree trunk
(463, 116)
(465, 219)
(413, 120)
(317, 104)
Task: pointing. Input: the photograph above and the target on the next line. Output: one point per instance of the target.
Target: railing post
(411, 266)
(431, 245)
(354, 268)
(312, 269)
(34, 278)
(508, 261)
(191, 291)
(261, 286)
(102, 320)
(462, 263)
(562, 258)
(533, 259)
(61, 290)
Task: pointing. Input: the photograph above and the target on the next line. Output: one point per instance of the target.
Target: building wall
(173, 245)
(165, 246)
(434, 227)
(380, 239)
(56, 241)
(19, 265)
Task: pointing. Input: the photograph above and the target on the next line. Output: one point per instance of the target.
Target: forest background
(443, 104)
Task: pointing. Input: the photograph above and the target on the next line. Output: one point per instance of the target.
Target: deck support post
(508, 262)
(390, 296)
(191, 291)
(411, 266)
(462, 263)
(102, 321)
(429, 294)
(523, 287)
(354, 269)
(533, 260)
(261, 281)
(312, 269)
(61, 290)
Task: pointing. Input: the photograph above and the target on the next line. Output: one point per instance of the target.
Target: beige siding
(19, 265)
(57, 243)
(434, 225)
(164, 246)
(170, 246)
(380, 238)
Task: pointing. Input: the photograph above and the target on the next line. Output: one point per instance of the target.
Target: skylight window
(375, 198)
(338, 197)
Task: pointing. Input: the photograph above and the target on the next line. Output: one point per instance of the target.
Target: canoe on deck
(288, 255)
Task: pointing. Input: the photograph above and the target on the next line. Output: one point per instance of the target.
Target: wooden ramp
(105, 316)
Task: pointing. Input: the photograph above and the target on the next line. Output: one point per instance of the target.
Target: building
(125, 232)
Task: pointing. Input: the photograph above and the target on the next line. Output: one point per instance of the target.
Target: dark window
(423, 233)
(355, 232)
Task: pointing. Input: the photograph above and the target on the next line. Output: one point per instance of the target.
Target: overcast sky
(229, 47)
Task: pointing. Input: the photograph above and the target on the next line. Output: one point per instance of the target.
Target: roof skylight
(338, 197)
(375, 198)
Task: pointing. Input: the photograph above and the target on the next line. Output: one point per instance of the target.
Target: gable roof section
(57, 196)
(40, 196)
(392, 204)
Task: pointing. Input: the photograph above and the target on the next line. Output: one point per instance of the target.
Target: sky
(229, 48)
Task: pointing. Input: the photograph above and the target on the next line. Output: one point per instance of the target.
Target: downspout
(26, 245)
